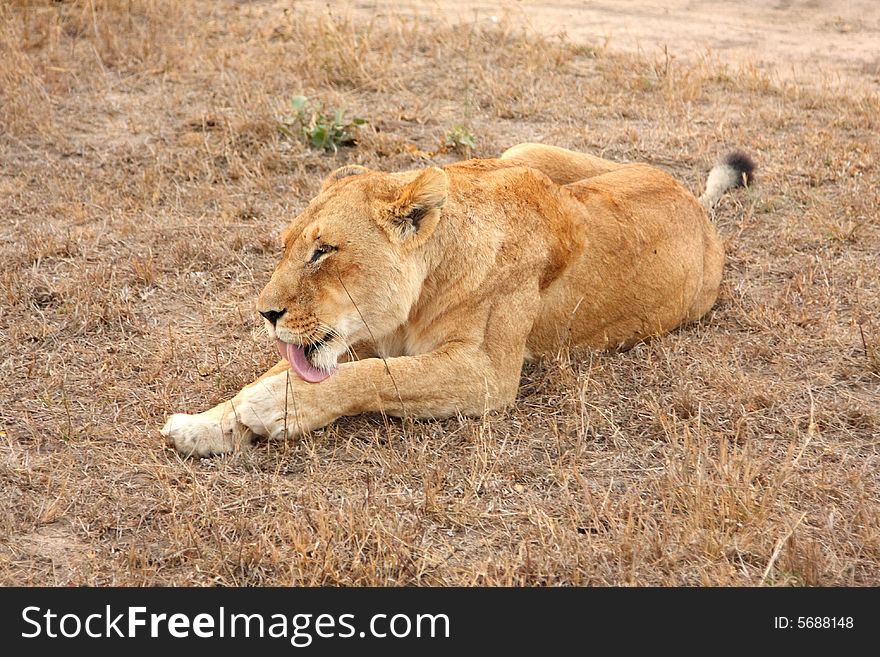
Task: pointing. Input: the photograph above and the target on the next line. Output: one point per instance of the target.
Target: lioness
(421, 293)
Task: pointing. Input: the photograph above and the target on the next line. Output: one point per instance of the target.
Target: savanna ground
(144, 182)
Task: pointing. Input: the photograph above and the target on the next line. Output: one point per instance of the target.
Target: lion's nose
(273, 315)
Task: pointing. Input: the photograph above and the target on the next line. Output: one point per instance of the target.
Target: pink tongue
(296, 356)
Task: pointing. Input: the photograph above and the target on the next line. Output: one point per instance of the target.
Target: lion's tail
(735, 170)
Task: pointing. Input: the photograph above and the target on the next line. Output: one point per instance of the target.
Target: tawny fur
(456, 276)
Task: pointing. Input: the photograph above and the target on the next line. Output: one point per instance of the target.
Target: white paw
(199, 435)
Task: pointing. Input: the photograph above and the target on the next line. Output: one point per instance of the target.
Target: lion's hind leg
(561, 165)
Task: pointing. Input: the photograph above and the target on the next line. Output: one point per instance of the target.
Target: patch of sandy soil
(52, 550)
(829, 41)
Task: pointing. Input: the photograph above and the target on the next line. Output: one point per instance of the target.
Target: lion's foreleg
(428, 386)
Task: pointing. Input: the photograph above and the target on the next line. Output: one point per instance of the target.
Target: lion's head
(351, 269)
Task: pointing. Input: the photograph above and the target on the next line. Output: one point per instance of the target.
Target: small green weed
(326, 130)
(461, 139)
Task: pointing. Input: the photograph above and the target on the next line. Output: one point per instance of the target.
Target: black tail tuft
(742, 164)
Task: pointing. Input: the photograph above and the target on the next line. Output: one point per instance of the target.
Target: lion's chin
(299, 362)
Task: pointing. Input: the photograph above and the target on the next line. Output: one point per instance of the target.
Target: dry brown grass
(142, 187)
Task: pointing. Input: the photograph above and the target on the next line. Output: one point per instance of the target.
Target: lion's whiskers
(334, 334)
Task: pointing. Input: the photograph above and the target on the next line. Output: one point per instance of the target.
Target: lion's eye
(320, 251)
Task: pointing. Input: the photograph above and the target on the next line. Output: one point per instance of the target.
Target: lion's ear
(342, 172)
(416, 211)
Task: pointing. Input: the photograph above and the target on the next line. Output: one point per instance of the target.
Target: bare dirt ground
(827, 41)
(143, 184)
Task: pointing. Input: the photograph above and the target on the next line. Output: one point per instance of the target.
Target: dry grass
(143, 184)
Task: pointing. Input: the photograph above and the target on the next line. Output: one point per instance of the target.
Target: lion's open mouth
(300, 359)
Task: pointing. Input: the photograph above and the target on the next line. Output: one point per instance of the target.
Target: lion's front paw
(200, 435)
